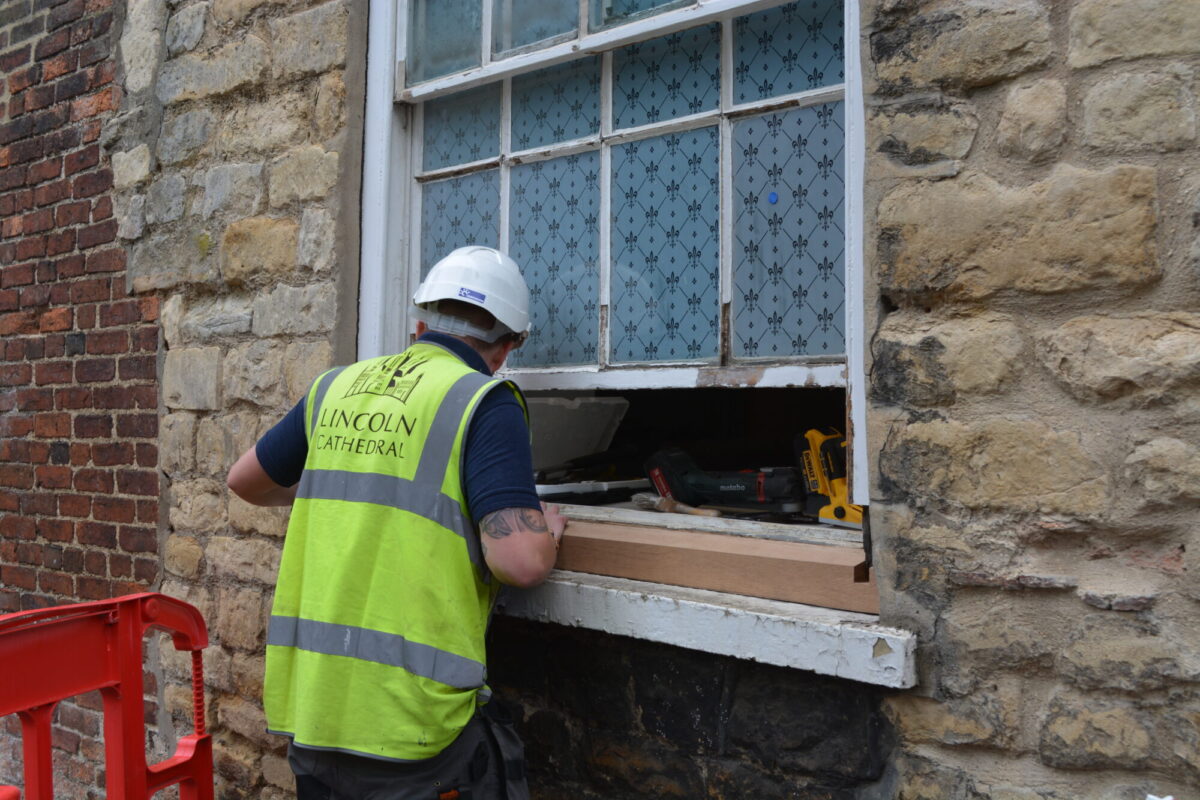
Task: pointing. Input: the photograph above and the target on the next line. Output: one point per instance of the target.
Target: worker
(410, 478)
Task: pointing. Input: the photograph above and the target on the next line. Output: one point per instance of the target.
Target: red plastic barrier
(55, 653)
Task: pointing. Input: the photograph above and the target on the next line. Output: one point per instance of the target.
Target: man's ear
(421, 328)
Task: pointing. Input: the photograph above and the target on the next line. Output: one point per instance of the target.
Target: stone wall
(1033, 251)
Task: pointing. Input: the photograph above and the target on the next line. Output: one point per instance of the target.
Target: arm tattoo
(501, 523)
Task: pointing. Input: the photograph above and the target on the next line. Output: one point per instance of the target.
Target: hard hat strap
(456, 326)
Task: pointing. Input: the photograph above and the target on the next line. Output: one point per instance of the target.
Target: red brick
(35, 399)
(16, 476)
(147, 511)
(138, 482)
(60, 242)
(94, 370)
(120, 566)
(23, 79)
(30, 247)
(95, 534)
(51, 426)
(105, 261)
(17, 275)
(81, 454)
(17, 528)
(39, 97)
(16, 424)
(93, 104)
(8, 299)
(53, 372)
(34, 503)
(72, 561)
(10, 602)
(113, 397)
(112, 454)
(56, 530)
(137, 368)
(120, 313)
(56, 583)
(145, 570)
(56, 319)
(145, 396)
(74, 505)
(145, 339)
(94, 480)
(107, 342)
(73, 213)
(72, 397)
(101, 233)
(69, 266)
(147, 455)
(103, 74)
(50, 193)
(28, 553)
(102, 208)
(137, 426)
(81, 159)
(15, 374)
(60, 65)
(114, 509)
(39, 452)
(93, 426)
(53, 44)
(18, 577)
(37, 221)
(92, 588)
(138, 540)
(90, 129)
(46, 170)
(14, 58)
(34, 296)
(90, 291)
(49, 477)
(90, 184)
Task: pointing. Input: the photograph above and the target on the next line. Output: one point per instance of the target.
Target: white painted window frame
(392, 153)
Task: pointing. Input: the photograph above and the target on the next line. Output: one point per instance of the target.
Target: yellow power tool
(822, 457)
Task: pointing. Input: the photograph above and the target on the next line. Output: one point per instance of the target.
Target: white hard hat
(481, 276)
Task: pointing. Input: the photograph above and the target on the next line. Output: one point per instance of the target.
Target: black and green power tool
(769, 489)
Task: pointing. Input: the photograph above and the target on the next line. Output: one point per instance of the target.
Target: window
(678, 180)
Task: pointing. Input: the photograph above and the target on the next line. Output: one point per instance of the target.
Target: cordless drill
(775, 489)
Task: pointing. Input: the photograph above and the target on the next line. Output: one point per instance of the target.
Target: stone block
(232, 11)
(1095, 733)
(165, 260)
(164, 200)
(923, 360)
(311, 41)
(182, 556)
(224, 316)
(1138, 111)
(1140, 359)
(185, 28)
(130, 212)
(1117, 652)
(218, 669)
(921, 139)
(1002, 464)
(235, 762)
(184, 135)
(245, 718)
(276, 772)
(968, 44)
(197, 505)
(1034, 122)
(214, 452)
(241, 618)
(266, 126)
(980, 719)
(192, 378)
(235, 66)
(131, 167)
(257, 519)
(234, 188)
(1106, 30)
(246, 560)
(142, 43)
(290, 310)
(969, 238)
(248, 672)
(198, 596)
(303, 363)
(305, 173)
(1031, 636)
(329, 109)
(176, 443)
(1164, 472)
(254, 372)
(259, 247)
(318, 235)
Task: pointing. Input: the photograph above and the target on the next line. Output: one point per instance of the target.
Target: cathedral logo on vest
(394, 377)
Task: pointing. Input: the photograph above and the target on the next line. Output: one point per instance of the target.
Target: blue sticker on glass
(471, 294)
(773, 198)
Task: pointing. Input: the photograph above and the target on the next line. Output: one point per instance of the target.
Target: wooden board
(818, 575)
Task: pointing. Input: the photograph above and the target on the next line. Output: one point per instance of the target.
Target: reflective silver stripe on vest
(389, 649)
(322, 389)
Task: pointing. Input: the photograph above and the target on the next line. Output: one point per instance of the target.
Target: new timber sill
(817, 570)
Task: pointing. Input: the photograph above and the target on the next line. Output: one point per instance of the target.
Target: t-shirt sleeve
(283, 449)
(498, 463)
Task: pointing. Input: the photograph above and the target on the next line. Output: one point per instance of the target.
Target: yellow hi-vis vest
(376, 639)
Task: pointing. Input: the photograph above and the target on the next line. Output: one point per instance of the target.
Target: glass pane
(788, 49)
(614, 12)
(517, 23)
(789, 245)
(463, 127)
(665, 248)
(669, 77)
(444, 37)
(556, 104)
(554, 236)
(457, 212)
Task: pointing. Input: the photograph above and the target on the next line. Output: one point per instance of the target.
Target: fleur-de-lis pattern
(517, 23)
(614, 12)
(554, 235)
(462, 127)
(665, 248)
(668, 77)
(789, 244)
(457, 212)
(789, 49)
(556, 104)
(444, 37)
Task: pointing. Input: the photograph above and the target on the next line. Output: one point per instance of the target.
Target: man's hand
(520, 544)
(249, 481)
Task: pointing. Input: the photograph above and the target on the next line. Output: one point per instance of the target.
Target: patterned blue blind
(457, 212)
(462, 127)
(669, 77)
(789, 240)
(788, 49)
(556, 104)
(554, 234)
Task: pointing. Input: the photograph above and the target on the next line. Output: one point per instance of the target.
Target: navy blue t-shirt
(498, 461)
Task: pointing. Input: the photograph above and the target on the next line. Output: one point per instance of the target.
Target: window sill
(838, 643)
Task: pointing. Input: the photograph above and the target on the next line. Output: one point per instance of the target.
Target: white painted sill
(842, 644)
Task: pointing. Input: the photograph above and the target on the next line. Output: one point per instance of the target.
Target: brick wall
(78, 356)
